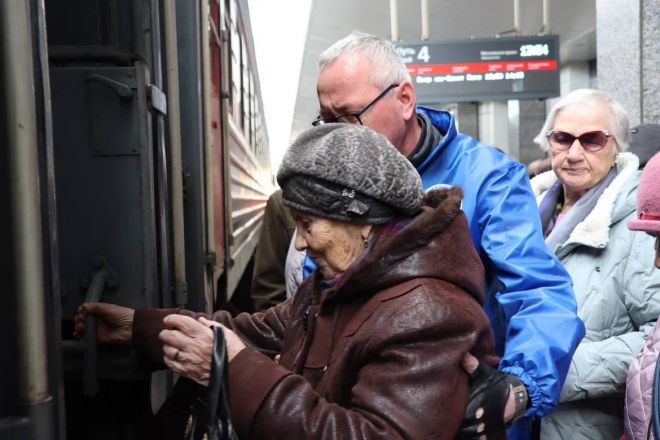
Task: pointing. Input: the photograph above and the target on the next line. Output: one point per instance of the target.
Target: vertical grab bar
(101, 276)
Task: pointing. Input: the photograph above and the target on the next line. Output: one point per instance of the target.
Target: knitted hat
(349, 173)
(648, 199)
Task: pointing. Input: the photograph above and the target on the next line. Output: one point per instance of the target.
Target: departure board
(483, 69)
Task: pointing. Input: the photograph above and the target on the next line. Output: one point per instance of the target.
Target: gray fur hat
(349, 173)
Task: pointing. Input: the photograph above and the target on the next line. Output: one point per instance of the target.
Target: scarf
(549, 209)
(427, 141)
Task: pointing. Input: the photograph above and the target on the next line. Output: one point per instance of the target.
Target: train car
(134, 170)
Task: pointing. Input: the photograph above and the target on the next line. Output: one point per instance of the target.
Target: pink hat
(648, 199)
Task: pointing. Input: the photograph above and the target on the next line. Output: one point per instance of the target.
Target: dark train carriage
(134, 170)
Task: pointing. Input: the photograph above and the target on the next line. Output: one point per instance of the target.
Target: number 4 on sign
(424, 54)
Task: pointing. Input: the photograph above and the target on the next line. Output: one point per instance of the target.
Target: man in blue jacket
(530, 300)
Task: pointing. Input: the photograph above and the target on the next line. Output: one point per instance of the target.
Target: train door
(111, 190)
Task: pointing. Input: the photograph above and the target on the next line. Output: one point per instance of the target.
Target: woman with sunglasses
(585, 202)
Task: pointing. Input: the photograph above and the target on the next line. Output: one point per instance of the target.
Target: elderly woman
(371, 345)
(585, 202)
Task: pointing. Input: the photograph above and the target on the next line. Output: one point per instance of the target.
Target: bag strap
(218, 390)
(217, 374)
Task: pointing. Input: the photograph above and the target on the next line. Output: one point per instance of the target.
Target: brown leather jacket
(378, 355)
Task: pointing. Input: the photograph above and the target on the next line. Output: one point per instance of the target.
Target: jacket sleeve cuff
(537, 407)
(251, 378)
(147, 324)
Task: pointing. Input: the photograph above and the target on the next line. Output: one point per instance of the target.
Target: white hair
(618, 116)
(387, 65)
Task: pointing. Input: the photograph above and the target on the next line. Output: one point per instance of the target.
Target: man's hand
(492, 404)
(114, 324)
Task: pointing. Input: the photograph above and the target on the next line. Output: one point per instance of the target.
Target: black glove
(489, 389)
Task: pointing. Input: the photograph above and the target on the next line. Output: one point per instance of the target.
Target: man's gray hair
(618, 116)
(387, 65)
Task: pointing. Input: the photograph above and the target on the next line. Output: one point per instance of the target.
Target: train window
(245, 92)
(228, 71)
(252, 93)
(236, 75)
(241, 116)
(255, 118)
(232, 11)
(248, 108)
(94, 27)
(216, 46)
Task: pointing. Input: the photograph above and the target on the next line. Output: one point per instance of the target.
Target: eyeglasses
(590, 141)
(354, 117)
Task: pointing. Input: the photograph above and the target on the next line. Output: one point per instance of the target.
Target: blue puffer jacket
(530, 301)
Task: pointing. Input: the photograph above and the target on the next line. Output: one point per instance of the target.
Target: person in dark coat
(268, 285)
(644, 142)
(371, 345)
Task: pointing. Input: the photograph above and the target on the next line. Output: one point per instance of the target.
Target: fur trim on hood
(435, 243)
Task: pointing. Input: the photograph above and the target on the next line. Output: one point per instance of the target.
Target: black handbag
(210, 418)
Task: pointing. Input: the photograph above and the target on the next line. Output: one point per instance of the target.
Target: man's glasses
(354, 117)
(590, 141)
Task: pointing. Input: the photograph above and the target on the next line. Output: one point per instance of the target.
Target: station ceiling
(330, 20)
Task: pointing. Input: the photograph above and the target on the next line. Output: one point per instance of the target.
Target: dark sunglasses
(354, 117)
(590, 141)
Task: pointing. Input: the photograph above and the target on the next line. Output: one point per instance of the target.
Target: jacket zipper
(308, 328)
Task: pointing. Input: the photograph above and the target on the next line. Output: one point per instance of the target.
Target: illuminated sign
(483, 69)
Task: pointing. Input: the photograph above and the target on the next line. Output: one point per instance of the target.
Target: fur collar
(434, 244)
(594, 230)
